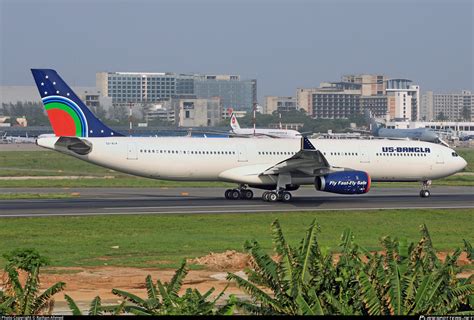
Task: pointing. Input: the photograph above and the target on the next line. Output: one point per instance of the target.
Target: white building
(404, 99)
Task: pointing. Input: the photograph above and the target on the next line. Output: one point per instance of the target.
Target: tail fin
(234, 124)
(374, 126)
(68, 115)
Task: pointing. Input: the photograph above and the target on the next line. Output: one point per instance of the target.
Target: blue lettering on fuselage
(406, 149)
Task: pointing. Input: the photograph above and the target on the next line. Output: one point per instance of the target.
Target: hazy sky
(284, 44)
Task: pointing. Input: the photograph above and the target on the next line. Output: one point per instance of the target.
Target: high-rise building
(147, 87)
(279, 104)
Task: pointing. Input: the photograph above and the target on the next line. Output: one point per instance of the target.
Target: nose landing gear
(425, 192)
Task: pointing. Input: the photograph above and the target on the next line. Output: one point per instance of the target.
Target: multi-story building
(333, 104)
(404, 99)
(279, 104)
(162, 111)
(451, 106)
(197, 112)
(146, 87)
(304, 99)
(371, 84)
(426, 106)
(378, 105)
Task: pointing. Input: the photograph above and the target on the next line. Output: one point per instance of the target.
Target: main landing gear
(274, 196)
(240, 193)
(425, 192)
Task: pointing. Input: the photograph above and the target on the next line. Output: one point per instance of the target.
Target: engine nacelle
(344, 182)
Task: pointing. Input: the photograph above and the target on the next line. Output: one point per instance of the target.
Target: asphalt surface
(120, 201)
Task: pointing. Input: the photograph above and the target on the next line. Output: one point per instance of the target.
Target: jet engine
(344, 182)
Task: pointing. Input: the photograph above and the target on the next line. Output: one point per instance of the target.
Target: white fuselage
(241, 160)
(279, 133)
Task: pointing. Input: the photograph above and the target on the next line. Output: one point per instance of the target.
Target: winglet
(306, 144)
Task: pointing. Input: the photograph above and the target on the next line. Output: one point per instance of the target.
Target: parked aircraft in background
(12, 139)
(276, 165)
(274, 133)
(422, 134)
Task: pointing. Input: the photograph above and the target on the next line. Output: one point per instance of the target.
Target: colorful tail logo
(68, 115)
(234, 124)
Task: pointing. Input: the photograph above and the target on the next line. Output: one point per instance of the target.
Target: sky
(283, 44)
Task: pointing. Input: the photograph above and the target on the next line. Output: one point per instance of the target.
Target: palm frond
(136, 310)
(468, 249)
(369, 295)
(151, 288)
(265, 266)
(396, 289)
(256, 293)
(129, 297)
(41, 301)
(308, 251)
(72, 306)
(95, 307)
(176, 282)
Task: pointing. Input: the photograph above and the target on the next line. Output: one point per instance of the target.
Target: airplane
(272, 133)
(18, 139)
(275, 165)
(422, 134)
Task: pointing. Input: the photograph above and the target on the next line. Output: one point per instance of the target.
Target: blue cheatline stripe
(74, 107)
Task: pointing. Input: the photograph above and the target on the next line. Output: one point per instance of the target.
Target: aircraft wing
(308, 161)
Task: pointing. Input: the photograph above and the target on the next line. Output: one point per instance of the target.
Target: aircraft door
(242, 153)
(439, 158)
(363, 155)
(132, 153)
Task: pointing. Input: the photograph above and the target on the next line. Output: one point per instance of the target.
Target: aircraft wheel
(228, 194)
(247, 194)
(425, 193)
(286, 196)
(235, 194)
(265, 196)
(272, 196)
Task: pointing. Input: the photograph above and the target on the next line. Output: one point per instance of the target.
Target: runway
(126, 201)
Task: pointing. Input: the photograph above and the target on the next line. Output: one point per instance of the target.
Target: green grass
(50, 163)
(16, 196)
(468, 155)
(162, 241)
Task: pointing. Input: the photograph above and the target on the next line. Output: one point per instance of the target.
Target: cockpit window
(454, 154)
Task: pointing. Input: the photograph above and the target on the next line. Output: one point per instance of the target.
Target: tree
(25, 299)
(466, 113)
(441, 116)
(405, 280)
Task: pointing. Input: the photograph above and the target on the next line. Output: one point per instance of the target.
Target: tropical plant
(164, 298)
(403, 280)
(25, 299)
(95, 308)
